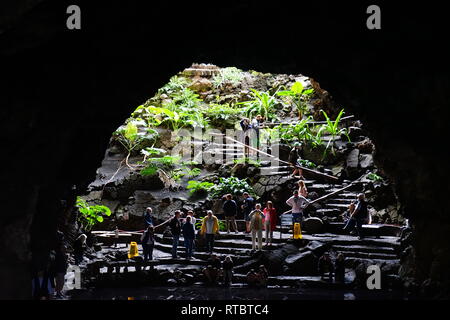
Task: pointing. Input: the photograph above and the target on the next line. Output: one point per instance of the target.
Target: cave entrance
(213, 131)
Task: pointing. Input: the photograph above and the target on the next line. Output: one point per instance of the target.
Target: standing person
(228, 270)
(191, 214)
(247, 208)
(326, 267)
(302, 190)
(297, 203)
(210, 226)
(188, 235)
(175, 228)
(245, 125)
(339, 274)
(295, 155)
(270, 221)
(148, 220)
(116, 236)
(230, 210)
(60, 270)
(256, 125)
(358, 217)
(256, 225)
(79, 247)
(148, 243)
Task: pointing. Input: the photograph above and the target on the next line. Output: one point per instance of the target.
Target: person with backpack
(230, 210)
(358, 217)
(148, 243)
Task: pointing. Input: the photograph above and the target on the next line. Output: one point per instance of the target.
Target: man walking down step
(230, 211)
(358, 217)
(210, 226)
(298, 204)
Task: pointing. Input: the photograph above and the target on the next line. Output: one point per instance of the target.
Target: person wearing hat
(296, 154)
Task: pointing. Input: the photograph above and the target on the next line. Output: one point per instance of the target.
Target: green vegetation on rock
(90, 215)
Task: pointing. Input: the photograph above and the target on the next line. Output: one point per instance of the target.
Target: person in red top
(270, 222)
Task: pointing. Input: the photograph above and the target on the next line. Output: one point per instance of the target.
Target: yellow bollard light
(133, 252)
(297, 231)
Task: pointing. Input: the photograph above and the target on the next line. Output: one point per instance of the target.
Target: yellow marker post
(297, 231)
(133, 252)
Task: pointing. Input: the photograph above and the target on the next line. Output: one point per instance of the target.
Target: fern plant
(332, 127)
(228, 75)
(262, 103)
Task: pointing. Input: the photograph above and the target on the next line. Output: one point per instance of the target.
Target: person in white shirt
(298, 204)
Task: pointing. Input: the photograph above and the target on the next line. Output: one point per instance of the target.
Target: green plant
(231, 185)
(255, 163)
(179, 173)
(374, 177)
(197, 186)
(91, 215)
(262, 103)
(222, 115)
(332, 127)
(175, 84)
(161, 164)
(307, 164)
(131, 138)
(299, 96)
(231, 75)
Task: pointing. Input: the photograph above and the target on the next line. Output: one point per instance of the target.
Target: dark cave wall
(67, 91)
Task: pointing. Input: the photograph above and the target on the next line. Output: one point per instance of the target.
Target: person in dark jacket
(247, 207)
(339, 273)
(227, 266)
(148, 243)
(189, 236)
(295, 155)
(175, 228)
(230, 210)
(358, 217)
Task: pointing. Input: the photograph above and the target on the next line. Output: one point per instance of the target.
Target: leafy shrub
(91, 215)
(231, 185)
(332, 127)
(162, 163)
(228, 75)
(223, 115)
(263, 103)
(197, 186)
(374, 177)
(307, 164)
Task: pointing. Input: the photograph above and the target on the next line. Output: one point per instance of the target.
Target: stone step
(329, 212)
(229, 243)
(369, 255)
(337, 206)
(239, 256)
(365, 249)
(347, 240)
(346, 201)
(350, 262)
(290, 281)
